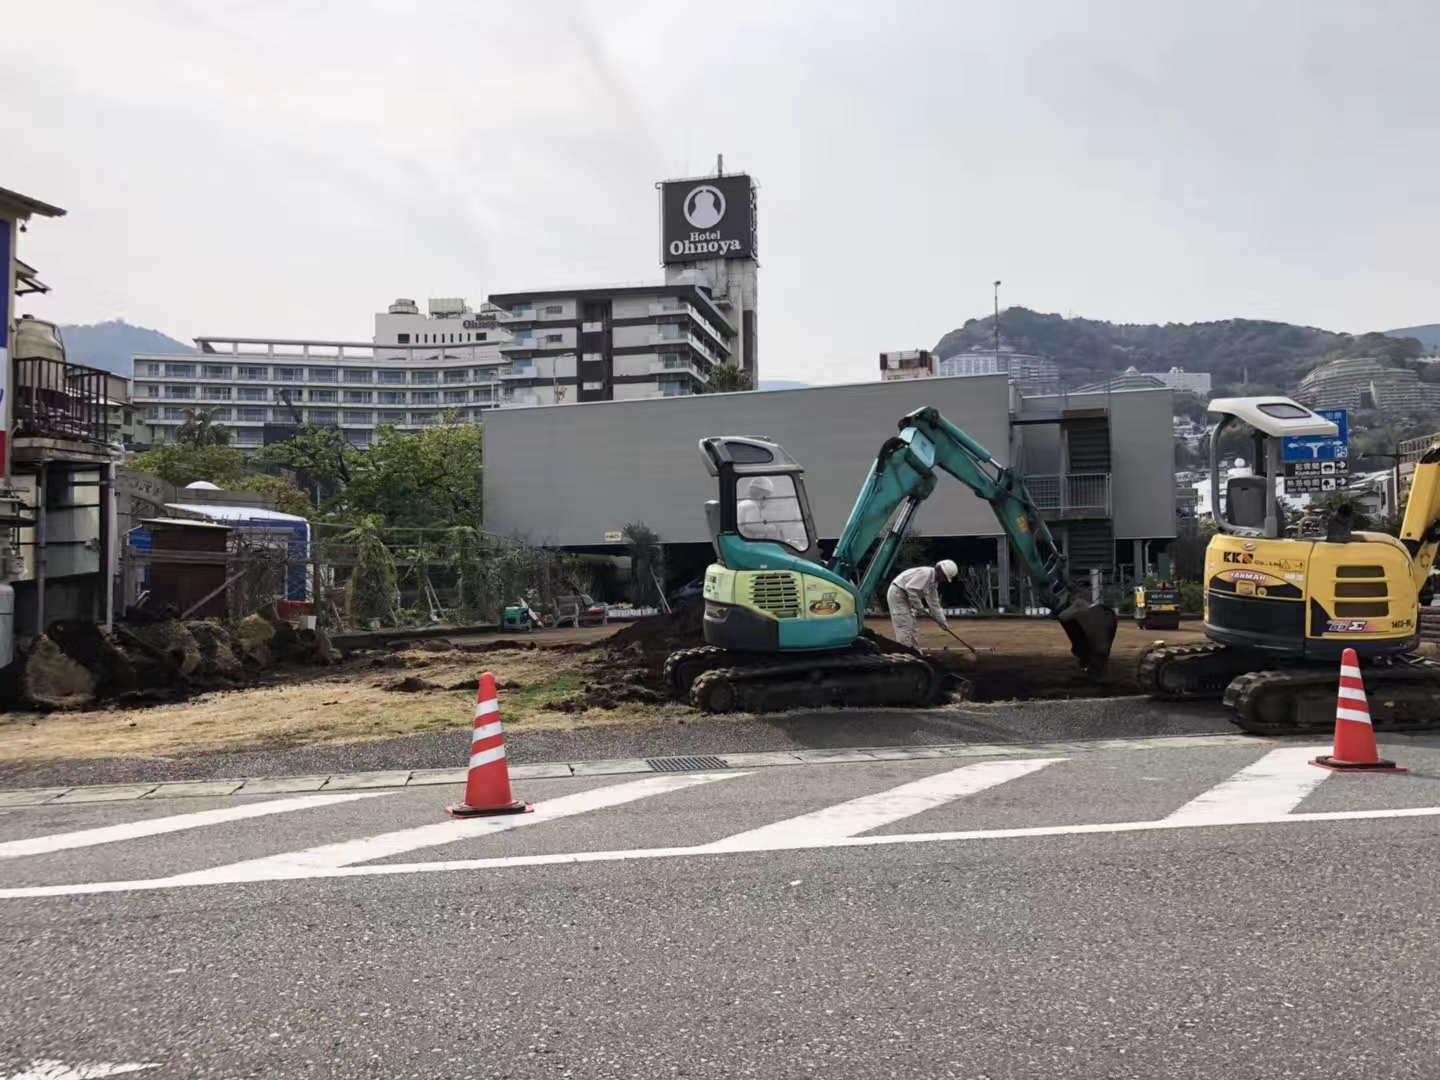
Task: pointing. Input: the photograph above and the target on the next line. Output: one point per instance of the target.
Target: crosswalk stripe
(1274, 785)
(131, 830)
(507, 862)
(874, 811)
(299, 864)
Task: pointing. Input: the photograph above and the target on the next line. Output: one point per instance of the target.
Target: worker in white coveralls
(915, 592)
(765, 514)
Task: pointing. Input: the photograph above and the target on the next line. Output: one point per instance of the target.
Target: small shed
(188, 565)
(269, 528)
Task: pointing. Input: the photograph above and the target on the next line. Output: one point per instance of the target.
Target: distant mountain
(110, 345)
(1269, 357)
(1428, 335)
(782, 384)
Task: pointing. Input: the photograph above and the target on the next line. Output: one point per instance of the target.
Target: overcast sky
(289, 168)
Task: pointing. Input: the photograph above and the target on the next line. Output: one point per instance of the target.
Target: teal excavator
(783, 626)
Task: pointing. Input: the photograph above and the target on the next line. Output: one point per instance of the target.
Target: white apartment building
(521, 349)
(1031, 373)
(416, 371)
(1184, 382)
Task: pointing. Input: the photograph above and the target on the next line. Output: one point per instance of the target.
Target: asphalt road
(1175, 911)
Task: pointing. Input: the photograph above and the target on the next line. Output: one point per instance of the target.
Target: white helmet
(948, 568)
(761, 487)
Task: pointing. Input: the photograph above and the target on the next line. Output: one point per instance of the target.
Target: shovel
(962, 641)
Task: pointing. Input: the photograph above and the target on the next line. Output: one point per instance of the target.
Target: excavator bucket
(1091, 631)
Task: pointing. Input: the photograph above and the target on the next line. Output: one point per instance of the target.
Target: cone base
(1334, 764)
(460, 810)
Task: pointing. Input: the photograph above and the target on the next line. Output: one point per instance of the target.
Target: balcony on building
(60, 410)
(1070, 496)
(678, 366)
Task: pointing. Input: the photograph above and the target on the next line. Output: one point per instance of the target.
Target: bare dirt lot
(549, 681)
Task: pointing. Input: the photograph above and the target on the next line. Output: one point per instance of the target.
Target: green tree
(323, 452)
(646, 557)
(199, 430)
(223, 466)
(727, 379)
(430, 479)
(185, 463)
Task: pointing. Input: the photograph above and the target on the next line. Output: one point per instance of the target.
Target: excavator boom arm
(1420, 529)
(903, 476)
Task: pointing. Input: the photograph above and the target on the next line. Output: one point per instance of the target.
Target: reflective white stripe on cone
(1354, 733)
(487, 786)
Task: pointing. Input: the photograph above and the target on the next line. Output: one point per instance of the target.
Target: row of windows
(327, 397)
(222, 415)
(351, 376)
(526, 339)
(440, 339)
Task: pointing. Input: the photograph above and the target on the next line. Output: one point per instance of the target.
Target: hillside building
(1364, 382)
(1029, 372)
(1193, 383)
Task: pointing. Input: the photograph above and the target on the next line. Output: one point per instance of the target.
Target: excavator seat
(1245, 501)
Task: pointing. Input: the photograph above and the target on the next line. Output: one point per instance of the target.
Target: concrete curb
(555, 770)
(57, 795)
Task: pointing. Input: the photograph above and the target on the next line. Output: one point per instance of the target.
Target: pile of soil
(632, 664)
(78, 665)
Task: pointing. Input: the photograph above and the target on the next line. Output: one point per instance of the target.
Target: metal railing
(57, 400)
(1071, 494)
(1413, 449)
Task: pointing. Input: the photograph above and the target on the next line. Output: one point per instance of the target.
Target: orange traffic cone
(487, 787)
(1354, 735)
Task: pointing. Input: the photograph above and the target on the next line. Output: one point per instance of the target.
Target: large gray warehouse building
(1099, 465)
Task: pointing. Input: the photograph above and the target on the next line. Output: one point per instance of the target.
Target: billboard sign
(709, 218)
(1321, 447)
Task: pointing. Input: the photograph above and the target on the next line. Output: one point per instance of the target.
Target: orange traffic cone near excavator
(487, 787)
(1354, 735)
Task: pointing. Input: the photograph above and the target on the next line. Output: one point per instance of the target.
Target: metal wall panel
(567, 475)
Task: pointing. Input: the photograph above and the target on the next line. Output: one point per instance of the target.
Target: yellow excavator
(1279, 610)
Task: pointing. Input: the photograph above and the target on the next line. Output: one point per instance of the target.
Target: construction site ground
(574, 692)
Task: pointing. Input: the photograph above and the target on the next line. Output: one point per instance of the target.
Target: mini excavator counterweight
(783, 626)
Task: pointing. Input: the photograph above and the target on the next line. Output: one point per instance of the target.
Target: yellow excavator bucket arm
(1420, 531)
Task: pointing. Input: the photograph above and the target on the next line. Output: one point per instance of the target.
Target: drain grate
(685, 764)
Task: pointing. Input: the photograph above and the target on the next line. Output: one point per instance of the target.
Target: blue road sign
(1321, 447)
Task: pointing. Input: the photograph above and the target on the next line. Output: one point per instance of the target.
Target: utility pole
(997, 322)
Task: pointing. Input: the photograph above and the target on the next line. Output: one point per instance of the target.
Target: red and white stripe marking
(1352, 688)
(487, 744)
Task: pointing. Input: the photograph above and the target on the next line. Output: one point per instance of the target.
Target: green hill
(111, 345)
(1428, 335)
(1274, 355)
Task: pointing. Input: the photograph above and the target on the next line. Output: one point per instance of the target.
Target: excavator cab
(762, 495)
(768, 591)
(1252, 505)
